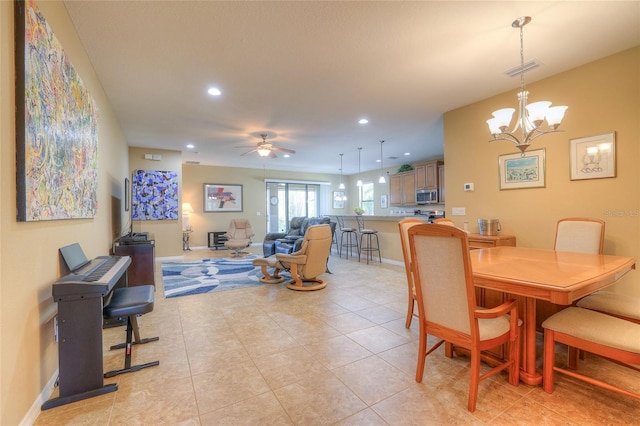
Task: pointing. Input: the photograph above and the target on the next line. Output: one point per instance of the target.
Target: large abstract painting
(56, 126)
(154, 195)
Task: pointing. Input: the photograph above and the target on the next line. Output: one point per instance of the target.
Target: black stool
(130, 302)
(352, 239)
(369, 248)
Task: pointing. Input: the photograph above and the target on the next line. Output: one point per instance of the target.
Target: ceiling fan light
(263, 152)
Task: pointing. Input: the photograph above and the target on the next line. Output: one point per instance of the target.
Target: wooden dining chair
(447, 310)
(580, 234)
(404, 226)
(604, 335)
(576, 234)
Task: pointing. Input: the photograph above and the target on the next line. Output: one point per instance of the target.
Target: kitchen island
(388, 234)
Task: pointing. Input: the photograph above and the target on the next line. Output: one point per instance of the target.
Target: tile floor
(338, 356)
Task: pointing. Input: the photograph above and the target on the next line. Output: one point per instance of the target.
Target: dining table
(532, 274)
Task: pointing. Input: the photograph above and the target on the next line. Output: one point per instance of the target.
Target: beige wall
(29, 260)
(602, 96)
(167, 234)
(254, 201)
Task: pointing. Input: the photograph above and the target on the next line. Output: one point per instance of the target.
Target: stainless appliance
(426, 196)
(431, 214)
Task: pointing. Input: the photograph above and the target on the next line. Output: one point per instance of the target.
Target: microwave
(426, 196)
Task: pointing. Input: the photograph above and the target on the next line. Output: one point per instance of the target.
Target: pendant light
(341, 186)
(359, 182)
(382, 179)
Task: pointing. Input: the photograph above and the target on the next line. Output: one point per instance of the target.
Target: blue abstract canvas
(154, 195)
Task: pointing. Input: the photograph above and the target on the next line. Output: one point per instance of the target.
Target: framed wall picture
(518, 172)
(56, 126)
(338, 199)
(154, 195)
(127, 194)
(383, 201)
(222, 197)
(593, 157)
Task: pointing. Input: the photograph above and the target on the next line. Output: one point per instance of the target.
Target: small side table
(185, 240)
(216, 239)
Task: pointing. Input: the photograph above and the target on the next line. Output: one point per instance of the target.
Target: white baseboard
(34, 411)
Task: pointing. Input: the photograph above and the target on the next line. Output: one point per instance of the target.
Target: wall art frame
(222, 197)
(593, 157)
(127, 194)
(56, 126)
(338, 199)
(518, 172)
(154, 195)
(383, 201)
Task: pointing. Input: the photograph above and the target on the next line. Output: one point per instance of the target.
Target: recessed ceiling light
(190, 146)
(214, 91)
(286, 156)
(377, 161)
(363, 121)
(407, 153)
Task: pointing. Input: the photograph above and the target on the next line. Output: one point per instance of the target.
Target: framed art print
(518, 172)
(222, 197)
(593, 157)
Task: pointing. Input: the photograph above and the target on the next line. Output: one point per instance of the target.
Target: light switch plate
(458, 211)
(468, 187)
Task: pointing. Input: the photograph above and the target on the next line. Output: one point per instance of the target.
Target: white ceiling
(304, 72)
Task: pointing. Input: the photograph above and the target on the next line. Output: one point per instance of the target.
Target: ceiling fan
(265, 149)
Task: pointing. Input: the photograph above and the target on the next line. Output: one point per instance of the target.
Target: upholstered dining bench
(130, 302)
(604, 335)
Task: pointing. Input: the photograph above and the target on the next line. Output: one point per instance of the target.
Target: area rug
(207, 275)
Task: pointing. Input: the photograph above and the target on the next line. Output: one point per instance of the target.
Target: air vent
(192, 162)
(528, 66)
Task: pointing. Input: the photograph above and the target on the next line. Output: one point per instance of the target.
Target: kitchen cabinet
(441, 183)
(402, 189)
(427, 174)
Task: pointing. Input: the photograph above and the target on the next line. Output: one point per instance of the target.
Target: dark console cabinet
(141, 271)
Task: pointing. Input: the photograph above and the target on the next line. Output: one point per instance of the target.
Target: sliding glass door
(287, 200)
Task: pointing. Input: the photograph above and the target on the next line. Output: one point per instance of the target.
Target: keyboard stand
(80, 352)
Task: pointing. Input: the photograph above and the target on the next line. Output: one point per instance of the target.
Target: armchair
(305, 264)
(269, 243)
(290, 244)
(280, 242)
(239, 235)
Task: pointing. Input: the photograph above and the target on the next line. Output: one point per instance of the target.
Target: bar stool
(352, 239)
(368, 233)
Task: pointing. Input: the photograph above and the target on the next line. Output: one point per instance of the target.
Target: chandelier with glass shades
(530, 116)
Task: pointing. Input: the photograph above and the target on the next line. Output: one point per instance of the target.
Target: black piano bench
(130, 302)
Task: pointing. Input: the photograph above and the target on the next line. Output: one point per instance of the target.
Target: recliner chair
(269, 243)
(305, 264)
(290, 244)
(238, 236)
